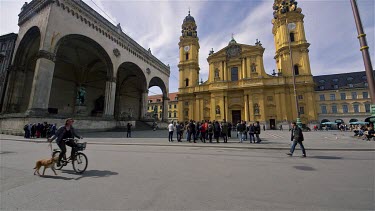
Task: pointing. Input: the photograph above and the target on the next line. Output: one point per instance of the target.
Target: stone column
(246, 107)
(41, 88)
(110, 96)
(225, 72)
(144, 104)
(165, 108)
(244, 68)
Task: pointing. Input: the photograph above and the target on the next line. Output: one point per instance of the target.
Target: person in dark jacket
(129, 130)
(251, 133)
(224, 130)
(297, 138)
(217, 131)
(62, 134)
(257, 131)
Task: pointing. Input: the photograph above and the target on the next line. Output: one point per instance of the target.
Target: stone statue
(253, 68)
(256, 109)
(216, 73)
(218, 110)
(81, 93)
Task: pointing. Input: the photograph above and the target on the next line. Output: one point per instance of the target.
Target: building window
(354, 95)
(334, 109)
(169, 115)
(296, 70)
(291, 35)
(187, 82)
(324, 109)
(300, 97)
(160, 115)
(335, 86)
(234, 74)
(335, 80)
(170, 106)
(174, 114)
(365, 95)
(161, 107)
(158, 100)
(322, 98)
(322, 81)
(148, 108)
(343, 96)
(367, 108)
(345, 109)
(150, 101)
(187, 103)
(332, 97)
(366, 84)
(176, 98)
(350, 85)
(187, 56)
(356, 108)
(174, 106)
(301, 110)
(321, 87)
(186, 113)
(349, 78)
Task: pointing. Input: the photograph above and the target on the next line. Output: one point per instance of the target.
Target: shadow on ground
(91, 173)
(327, 157)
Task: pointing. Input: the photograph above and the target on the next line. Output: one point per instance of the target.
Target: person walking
(179, 131)
(129, 130)
(210, 131)
(257, 131)
(170, 129)
(230, 130)
(297, 138)
(217, 131)
(240, 131)
(251, 133)
(264, 127)
(224, 130)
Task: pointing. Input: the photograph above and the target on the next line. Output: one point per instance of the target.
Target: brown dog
(47, 163)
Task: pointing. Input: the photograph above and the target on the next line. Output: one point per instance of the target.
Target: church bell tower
(290, 40)
(189, 54)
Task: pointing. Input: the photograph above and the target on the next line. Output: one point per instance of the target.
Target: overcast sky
(329, 27)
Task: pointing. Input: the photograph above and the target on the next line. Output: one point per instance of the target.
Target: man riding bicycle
(64, 136)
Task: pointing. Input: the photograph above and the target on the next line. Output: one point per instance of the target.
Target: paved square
(149, 177)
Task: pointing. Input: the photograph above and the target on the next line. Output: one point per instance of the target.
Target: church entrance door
(236, 116)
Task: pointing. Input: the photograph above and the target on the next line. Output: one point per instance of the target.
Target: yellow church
(238, 88)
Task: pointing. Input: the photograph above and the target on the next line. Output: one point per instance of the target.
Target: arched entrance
(131, 92)
(22, 73)
(156, 81)
(82, 69)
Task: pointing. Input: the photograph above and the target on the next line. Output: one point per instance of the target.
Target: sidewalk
(271, 140)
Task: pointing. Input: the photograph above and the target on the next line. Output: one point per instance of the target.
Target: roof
(341, 81)
(9, 36)
(171, 96)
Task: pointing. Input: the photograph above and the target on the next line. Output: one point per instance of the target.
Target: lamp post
(290, 27)
(365, 54)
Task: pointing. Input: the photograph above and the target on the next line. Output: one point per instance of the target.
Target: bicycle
(79, 160)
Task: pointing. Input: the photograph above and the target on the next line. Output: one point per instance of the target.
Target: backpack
(210, 128)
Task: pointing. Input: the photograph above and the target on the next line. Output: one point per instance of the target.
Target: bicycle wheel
(56, 154)
(80, 162)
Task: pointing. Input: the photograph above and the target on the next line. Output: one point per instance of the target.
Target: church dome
(189, 18)
(232, 42)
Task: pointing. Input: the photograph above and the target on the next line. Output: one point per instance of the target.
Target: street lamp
(290, 27)
(365, 54)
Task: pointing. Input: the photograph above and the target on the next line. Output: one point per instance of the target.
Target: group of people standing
(39, 130)
(206, 130)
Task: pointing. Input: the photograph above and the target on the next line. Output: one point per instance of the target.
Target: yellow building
(238, 88)
(155, 107)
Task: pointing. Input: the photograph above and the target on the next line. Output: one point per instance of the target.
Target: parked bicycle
(79, 160)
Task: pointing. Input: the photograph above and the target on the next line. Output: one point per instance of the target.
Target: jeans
(170, 138)
(129, 134)
(179, 135)
(251, 137)
(241, 136)
(294, 146)
(225, 137)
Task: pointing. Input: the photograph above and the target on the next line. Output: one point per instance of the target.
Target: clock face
(186, 48)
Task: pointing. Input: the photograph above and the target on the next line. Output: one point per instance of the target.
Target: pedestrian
(224, 130)
(230, 130)
(257, 131)
(281, 127)
(27, 132)
(203, 131)
(240, 130)
(297, 138)
(264, 127)
(210, 131)
(179, 131)
(217, 131)
(129, 130)
(170, 129)
(251, 133)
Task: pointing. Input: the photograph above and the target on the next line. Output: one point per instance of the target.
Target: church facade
(238, 88)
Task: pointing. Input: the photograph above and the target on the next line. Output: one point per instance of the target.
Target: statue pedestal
(80, 110)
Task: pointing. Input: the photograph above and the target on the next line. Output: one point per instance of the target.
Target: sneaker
(303, 156)
(290, 154)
